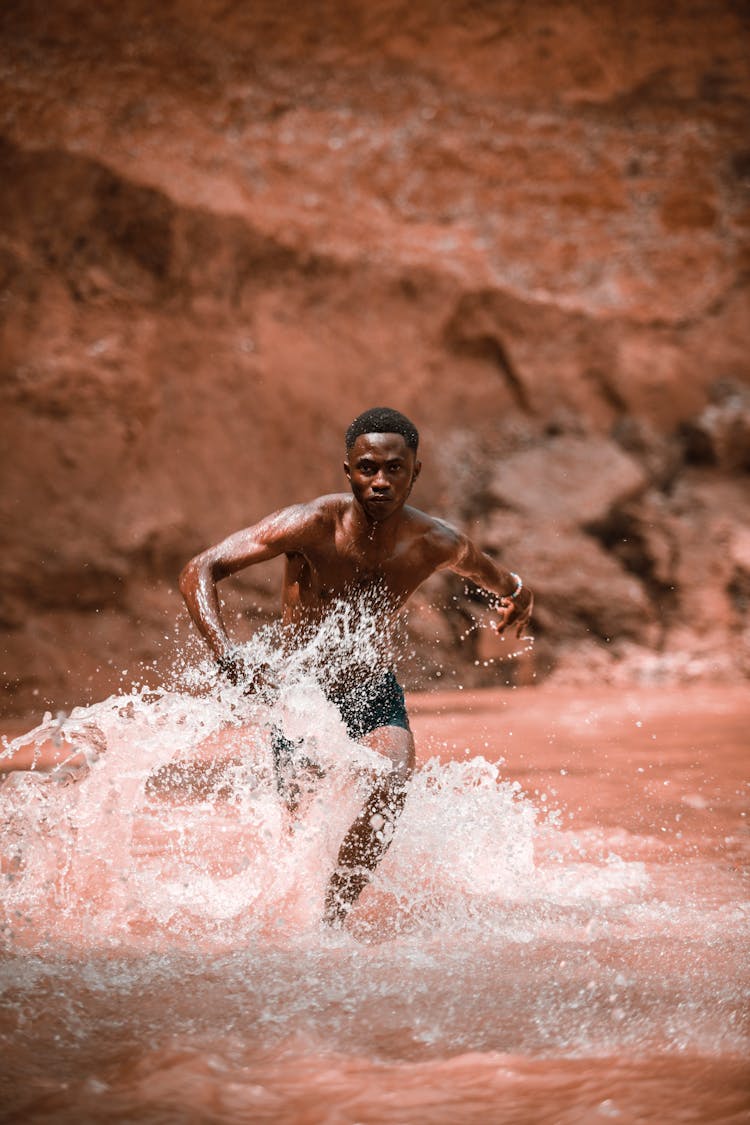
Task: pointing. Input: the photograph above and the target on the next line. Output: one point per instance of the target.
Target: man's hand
(250, 679)
(232, 666)
(515, 611)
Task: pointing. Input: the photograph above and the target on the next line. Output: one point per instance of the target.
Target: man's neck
(374, 534)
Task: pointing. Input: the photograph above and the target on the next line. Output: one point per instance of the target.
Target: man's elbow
(192, 573)
(186, 581)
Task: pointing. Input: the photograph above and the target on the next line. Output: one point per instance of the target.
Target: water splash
(176, 831)
(157, 891)
(161, 826)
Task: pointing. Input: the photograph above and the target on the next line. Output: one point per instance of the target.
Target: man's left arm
(515, 600)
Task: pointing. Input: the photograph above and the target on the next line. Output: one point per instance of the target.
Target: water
(560, 937)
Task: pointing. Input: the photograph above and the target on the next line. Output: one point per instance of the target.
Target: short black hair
(383, 420)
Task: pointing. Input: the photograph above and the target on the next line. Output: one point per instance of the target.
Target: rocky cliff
(229, 227)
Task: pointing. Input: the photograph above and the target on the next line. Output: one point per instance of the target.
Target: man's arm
(515, 599)
(275, 535)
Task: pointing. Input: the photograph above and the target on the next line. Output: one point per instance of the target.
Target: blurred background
(227, 228)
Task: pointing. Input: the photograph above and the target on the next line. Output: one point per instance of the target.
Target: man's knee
(395, 743)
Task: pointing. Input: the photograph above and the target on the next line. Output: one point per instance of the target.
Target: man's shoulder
(301, 523)
(439, 535)
(329, 506)
(322, 512)
(320, 505)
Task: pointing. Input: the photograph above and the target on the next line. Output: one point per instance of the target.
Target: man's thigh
(395, 743)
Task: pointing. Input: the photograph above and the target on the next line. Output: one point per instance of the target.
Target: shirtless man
(343, 548)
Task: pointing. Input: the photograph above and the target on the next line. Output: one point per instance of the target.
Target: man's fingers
(505, 613)
(232, 667)
(259, 681)
(511, 614)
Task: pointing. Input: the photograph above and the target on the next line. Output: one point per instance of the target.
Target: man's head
(383, 420)
(381, 460)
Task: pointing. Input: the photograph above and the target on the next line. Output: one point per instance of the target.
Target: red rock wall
(228, 228)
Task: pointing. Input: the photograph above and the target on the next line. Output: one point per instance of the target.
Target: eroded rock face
(570, 481)
(228, 229)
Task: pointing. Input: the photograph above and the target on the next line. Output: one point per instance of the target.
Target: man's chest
(337, 568)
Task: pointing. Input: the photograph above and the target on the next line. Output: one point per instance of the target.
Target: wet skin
(343, 547)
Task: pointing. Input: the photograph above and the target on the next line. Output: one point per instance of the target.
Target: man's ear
(417, 471)
(347, 469)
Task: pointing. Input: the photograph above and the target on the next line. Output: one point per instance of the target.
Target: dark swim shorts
(364, 707)
(372, 704)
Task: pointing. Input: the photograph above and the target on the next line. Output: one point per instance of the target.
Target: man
(368, 548)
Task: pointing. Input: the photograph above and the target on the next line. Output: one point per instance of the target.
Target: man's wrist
(500, 601)
(518, 587)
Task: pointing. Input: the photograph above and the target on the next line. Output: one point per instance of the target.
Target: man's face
(381, 470)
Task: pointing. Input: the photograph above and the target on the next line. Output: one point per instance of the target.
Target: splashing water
(173, 832)
(157, 891)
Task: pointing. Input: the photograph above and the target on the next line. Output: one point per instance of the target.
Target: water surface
(558, 934)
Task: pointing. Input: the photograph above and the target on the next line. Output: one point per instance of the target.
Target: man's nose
(380, 482)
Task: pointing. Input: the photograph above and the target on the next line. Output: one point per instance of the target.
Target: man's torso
(335, 566)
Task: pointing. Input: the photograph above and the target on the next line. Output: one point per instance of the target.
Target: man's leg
(370, 835)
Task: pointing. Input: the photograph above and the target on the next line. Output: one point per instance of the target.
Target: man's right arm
(273, 536)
